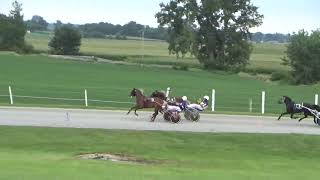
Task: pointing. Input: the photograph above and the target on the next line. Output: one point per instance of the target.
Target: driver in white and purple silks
(202, 106)
(179, 107)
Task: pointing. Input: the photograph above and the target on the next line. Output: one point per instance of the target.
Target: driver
(179, 107)
(202, 106)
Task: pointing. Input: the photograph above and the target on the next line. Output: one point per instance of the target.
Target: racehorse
(293, 109)
(162, 95)
(146, 102)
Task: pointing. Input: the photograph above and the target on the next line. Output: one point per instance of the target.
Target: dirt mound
(116, 158)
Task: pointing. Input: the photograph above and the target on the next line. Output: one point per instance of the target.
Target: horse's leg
(134, 107)
(135, 111)
(291, 116)
(282, 115)
(154, 115)
(305, 116)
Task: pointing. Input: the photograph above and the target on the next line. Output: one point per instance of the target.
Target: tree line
(109, 30)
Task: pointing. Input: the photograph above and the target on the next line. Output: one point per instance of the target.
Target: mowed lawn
(36, 75)
(50, 153)
(264, 55)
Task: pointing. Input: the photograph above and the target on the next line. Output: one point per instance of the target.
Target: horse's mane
(158, 94)
(160, 91)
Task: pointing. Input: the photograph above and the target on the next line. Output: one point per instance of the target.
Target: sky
(280, 16)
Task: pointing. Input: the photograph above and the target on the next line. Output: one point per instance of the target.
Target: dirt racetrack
(105, 119)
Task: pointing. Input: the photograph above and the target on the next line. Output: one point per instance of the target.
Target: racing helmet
(206, 97)
(184, 98)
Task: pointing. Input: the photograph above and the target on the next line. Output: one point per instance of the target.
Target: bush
(279, 75)
(119, 37)
(258, 71)
(182, 67)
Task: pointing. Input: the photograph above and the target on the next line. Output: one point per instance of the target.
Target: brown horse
(146, 102)
(161, 95)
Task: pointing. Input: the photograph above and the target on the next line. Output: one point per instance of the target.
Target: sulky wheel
(166, 115)
(192, 114)
(187, 115)
(195, 116)
(175, 117)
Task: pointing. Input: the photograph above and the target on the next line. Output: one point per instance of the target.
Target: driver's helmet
(206, 97)
(184, 98)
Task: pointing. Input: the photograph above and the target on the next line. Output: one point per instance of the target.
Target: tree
(303, 55)
(12, 29)
(37, 23)
(215, 31)
(66, 41)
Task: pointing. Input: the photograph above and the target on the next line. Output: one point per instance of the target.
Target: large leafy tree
(215, 31)
(66, 41)
(12, 29)
(303, 55)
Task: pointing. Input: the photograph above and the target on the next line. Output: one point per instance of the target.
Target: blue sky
(283, 16)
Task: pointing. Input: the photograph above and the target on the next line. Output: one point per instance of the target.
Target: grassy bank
(50, 153)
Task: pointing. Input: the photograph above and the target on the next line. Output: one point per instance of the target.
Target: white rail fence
(85, 99)
(258, 104)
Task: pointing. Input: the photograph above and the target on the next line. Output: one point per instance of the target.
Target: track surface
(76, 118)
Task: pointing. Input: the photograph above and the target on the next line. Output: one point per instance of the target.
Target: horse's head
(135, 92)
(285, 100)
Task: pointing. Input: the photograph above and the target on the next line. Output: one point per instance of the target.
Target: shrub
(279, 75)
(182, 67)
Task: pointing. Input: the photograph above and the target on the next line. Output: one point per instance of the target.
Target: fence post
(86, 97)
(168, 92)
(316, 97)
(263, 101)
(10, 93)
(250, 105)
(213, 100)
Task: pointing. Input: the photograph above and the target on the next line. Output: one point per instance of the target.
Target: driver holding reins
(203, 104)
(178, 107)
(184, 104)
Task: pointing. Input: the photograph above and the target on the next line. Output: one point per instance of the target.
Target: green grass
(35, 75)
(50, 153)
(264, 56)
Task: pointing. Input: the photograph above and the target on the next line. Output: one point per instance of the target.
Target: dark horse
(146, 102)
(161, 95)
(293, 109)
